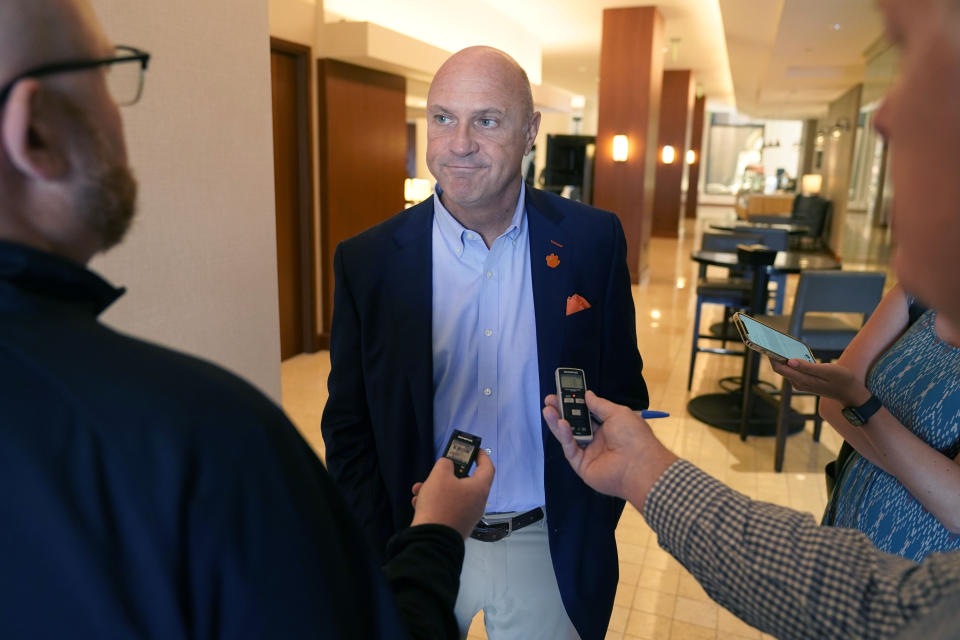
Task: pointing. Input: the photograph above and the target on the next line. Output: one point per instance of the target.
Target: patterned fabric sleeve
(778, 571)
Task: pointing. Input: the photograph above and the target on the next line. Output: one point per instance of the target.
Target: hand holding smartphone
(769, 341)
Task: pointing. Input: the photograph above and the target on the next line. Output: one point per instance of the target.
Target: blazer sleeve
(621, 367)
(351, 454)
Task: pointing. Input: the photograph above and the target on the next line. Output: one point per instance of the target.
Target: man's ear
(532, 128)
(30, 135)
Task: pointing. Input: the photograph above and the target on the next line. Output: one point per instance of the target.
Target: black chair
(733, 292)
(812, 212)
(778, 240)
(821, 293)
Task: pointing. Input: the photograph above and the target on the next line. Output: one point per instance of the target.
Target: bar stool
(778, 240)
(731, 292)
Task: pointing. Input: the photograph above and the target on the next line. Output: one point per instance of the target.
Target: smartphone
(767, 340)
(571, 387)
(462, 449)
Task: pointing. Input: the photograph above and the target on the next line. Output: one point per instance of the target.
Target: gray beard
(107, 202)
(107, 194)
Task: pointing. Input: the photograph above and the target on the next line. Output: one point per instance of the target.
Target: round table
(725, 410)
(791, 228)
(786, 262)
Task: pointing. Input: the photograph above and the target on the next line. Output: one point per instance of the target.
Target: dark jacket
(148, 494)
(378, 421)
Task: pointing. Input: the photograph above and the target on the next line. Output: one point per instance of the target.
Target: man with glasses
(147, 494)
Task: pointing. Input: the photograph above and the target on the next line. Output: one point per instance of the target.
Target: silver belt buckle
(508, 521)
(489, 525)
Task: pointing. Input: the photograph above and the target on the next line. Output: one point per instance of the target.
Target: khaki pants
(512, 581)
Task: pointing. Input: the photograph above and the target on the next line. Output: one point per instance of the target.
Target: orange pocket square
(575, 303)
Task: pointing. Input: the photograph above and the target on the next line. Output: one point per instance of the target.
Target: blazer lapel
(550, 275)
(409, 278)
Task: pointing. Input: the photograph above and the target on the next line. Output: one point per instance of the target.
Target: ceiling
(570, 32)
(790, 58)
(779, 59)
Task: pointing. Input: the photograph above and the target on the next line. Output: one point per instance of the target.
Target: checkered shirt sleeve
(779, 571)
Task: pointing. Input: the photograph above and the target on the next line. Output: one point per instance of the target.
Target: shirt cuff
(676, 501)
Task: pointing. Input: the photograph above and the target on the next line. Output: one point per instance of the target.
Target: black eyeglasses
(124, 74)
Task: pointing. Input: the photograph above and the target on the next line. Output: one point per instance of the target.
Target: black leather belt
(494, 531)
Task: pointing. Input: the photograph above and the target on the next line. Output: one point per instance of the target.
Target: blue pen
(648, 414)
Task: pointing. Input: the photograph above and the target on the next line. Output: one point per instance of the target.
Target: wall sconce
(811, 183)
(691, 156)
(621, 148)
(416, 190)
(842, 126)
(668, 154)
(819, 140)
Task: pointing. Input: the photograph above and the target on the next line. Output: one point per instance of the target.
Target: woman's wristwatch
(858, 416)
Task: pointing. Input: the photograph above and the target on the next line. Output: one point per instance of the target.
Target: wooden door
(293, 175)
(363, 154)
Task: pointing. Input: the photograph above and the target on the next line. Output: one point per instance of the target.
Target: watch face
(852, 416)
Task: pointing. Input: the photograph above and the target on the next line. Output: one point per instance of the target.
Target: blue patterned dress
(918, 380)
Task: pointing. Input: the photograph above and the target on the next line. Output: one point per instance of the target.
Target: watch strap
(867, 409)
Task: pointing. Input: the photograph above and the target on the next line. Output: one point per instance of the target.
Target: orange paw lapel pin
(553, 260)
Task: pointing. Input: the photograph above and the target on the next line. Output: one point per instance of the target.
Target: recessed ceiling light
(836, 26)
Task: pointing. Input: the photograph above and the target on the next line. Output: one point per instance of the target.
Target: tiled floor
(656, 597)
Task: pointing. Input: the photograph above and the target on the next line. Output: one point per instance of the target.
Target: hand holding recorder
(624, 459)
(444, 498)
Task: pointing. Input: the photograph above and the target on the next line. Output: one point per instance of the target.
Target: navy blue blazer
(378, 420)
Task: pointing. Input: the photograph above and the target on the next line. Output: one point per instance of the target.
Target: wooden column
(676, 106)
(631, 74)
(363, 154)
(693, 170)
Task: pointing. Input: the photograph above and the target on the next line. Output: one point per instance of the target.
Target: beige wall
(200, 261)
(294, 20)
(838, 160)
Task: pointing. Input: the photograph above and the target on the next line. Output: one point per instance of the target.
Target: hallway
(656, 597)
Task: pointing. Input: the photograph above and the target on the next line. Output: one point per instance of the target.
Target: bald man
(147, 494)
(455, 315)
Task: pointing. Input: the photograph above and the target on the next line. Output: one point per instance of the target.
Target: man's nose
(463, 142)
(881, 117)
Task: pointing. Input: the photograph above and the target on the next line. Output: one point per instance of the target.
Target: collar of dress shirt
(453, 231)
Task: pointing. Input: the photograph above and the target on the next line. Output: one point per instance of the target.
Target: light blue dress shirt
(486, 377)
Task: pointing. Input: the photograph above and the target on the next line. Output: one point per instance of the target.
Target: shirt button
(459, 250)
(469, 236)
(487, 391)
(488, 333)
(489, 274)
